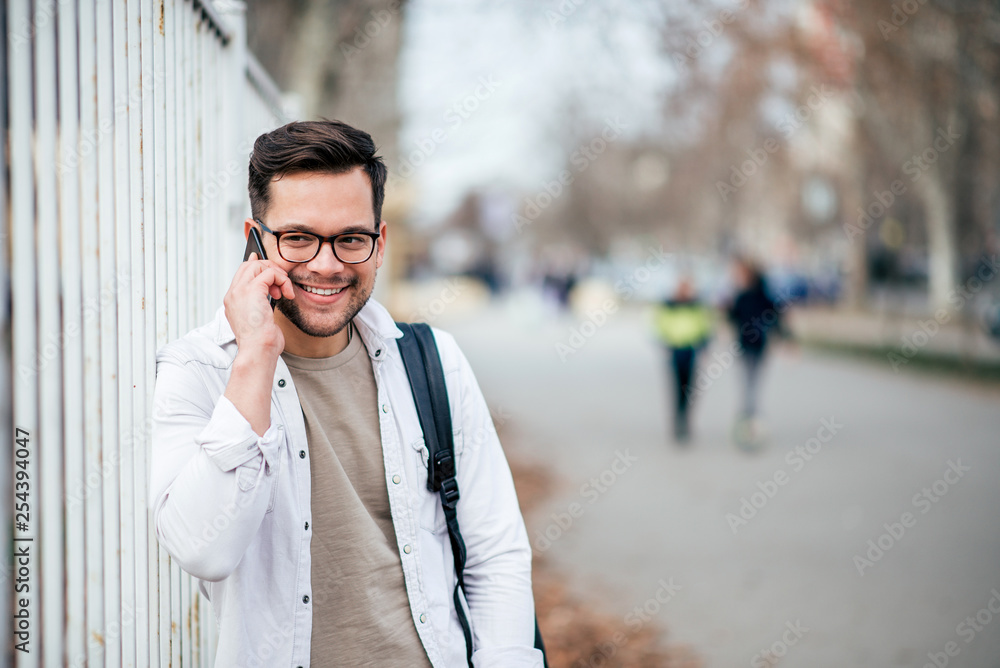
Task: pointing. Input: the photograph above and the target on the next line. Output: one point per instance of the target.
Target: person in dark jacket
(755, 315)
(684, 325)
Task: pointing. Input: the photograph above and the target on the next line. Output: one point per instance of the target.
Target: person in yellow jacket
(683, 325)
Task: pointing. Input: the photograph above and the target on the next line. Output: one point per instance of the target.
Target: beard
(326, 324)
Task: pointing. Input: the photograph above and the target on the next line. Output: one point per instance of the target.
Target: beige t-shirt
(361, 614)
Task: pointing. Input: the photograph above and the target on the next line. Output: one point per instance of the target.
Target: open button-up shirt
(233, 508)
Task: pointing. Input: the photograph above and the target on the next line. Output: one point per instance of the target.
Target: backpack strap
(430, 395)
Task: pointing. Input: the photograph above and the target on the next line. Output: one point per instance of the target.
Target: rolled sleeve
(206, 463)
(229, 441)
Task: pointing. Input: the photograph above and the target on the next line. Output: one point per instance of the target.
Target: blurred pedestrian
(754, 314)
(684, 325)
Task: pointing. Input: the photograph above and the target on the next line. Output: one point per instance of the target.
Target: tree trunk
(942, 272)
(316, 32)
(856, 280)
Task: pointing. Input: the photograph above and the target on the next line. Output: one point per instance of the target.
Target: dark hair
(313, 146)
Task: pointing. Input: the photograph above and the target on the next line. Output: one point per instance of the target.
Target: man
(289, 473)
(754, 315)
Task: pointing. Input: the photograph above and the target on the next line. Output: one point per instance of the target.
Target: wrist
(256, 362)
(249, 387)
(258, 351)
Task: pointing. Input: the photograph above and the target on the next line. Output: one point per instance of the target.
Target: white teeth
(317, 291)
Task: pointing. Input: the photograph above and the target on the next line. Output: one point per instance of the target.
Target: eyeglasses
(349, 247)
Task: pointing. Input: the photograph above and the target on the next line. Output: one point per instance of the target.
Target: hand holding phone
(254, 245)
(258, 337)
(256, 285)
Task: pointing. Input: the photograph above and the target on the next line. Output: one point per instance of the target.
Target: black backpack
(430, 395)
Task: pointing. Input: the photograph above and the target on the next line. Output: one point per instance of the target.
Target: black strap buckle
(442, 468)
(449, 492)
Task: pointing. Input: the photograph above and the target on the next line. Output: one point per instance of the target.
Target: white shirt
(232, 508)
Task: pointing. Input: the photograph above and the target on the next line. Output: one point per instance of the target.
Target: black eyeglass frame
(322, 240)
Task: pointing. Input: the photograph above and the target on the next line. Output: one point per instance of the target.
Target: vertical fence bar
(191, 23)
(151, 81)
(136, 466)
(191, 288)
(109, 289)
(122, 631)
(204, 39)
(179, 264)
(90, 284)
(184, 23)
(206, 172)
(173, 260)
(48, 362)
(170, 91)
(182, 315)
(6, 367)
(215, 153)
(24, 327)
(162, 328)
(178, 579)
(72, 303)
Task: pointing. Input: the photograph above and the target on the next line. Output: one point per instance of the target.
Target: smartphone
(254, 245)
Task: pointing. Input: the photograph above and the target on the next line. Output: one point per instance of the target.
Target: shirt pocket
(431, 513)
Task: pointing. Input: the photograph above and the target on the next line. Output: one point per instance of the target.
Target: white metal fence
(125, 128)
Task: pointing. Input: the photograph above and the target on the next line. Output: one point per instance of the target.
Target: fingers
(277, 281)
(272, 278)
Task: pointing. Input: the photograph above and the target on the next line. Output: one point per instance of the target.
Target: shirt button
(423, 618)
(302, 454)
(407, 549)
(378, 352)
(305, 599)
(281, 383)
(385, 408)
(396, 479)
(307, 526)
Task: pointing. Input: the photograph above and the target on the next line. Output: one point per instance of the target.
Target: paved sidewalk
(642, 525)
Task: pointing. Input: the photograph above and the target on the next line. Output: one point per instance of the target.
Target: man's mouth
(320, 291)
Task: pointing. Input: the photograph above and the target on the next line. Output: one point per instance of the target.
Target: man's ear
(380, 250)
(247, 224)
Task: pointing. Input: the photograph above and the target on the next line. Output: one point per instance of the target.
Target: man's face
(324, 204)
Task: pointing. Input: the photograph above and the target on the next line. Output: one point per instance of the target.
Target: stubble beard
(323, 325)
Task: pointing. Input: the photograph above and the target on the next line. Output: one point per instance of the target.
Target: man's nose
(326, 260)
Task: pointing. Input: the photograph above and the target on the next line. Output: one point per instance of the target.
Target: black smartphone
(254, 245)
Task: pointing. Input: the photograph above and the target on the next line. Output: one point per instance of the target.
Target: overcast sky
(512, 87)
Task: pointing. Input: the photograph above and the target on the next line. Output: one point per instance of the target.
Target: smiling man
(289, 472)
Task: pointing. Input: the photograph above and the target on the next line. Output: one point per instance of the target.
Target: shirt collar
(374, 323)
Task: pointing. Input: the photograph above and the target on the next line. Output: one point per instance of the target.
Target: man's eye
(351, 240)
(298, 239)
